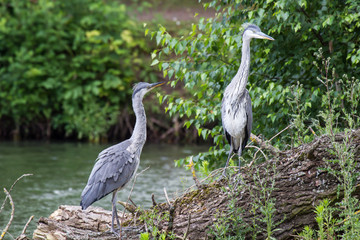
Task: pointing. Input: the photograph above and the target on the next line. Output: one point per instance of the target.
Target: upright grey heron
(117, 164)
(236, 111)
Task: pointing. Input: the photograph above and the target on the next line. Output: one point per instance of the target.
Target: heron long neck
(240, 80)
(139, 134)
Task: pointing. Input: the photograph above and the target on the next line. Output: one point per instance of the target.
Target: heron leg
(239, 154)
(228, 160)
(114, 214)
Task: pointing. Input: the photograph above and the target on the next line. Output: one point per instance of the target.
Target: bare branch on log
(153, 199)
(264, 144)
(171, 212)
(12, 186)
(281, 132)
(258, 150)
(26, 225)
(167, 198)
(128, 207)
(11, 216)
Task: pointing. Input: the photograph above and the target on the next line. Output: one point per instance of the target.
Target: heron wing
(227, 135)
(249, 119)
(114, 168)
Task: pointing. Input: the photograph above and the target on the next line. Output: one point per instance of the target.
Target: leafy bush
(208, 58)
(68, 65)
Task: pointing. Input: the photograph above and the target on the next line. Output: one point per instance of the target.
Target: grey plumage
(104, 178)
(236, 110)
(117, 165)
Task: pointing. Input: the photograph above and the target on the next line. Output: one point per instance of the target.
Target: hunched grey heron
(236, 110)
(117, 165)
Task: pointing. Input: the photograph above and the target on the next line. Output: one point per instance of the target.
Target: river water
(60, 172)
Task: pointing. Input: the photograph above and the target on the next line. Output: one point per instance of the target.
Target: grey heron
(117, 165)
(236, 110)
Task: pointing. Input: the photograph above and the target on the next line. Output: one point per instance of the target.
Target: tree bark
(300, 182)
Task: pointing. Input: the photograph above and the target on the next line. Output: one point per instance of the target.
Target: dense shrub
(67, 65)
(209, 57)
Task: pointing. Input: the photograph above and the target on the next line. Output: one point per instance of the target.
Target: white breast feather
(234, 124)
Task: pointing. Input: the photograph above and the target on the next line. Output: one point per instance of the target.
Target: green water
(60, 172)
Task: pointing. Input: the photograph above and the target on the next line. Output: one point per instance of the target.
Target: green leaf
(154, 62)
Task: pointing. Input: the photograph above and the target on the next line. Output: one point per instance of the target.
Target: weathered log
(70, 222)
(300, 182)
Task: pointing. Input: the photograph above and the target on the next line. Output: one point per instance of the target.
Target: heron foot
(223, 175)
(114, 231)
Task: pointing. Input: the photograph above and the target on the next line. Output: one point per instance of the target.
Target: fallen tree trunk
(297, 180)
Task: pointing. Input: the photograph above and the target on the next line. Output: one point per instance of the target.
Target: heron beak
(154, 85)
(262, 35)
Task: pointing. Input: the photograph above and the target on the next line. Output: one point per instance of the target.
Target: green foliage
(326, 223)
(325, 220)
(208, 57)
(263, 204)
(152, 218)
(68, 64)
(229, 225)
(300, 114)
(144, 236)
(338, 113)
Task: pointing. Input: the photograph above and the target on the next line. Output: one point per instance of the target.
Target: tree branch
(11, 216)
(12, 186)
(264, 144)
(26, 225)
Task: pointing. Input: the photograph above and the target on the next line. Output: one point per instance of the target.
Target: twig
(12, 186)
(281, 132)
(127, 202)
(26, 225)
(171, 212)
(264, 144)
(153, 199)
(258, 149)
(11, 216)
(313, 132)
(127, 206)
(347, 218)
(167, 198)
(132, 188)
(196, 180)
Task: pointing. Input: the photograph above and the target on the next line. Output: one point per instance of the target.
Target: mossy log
(300, 182)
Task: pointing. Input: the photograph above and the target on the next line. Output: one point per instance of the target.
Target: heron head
(141, 88)
(253, 31)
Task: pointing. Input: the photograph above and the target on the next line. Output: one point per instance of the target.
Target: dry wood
(11, 216)
(27, 225)
(12, 186)
(264, 144)
(299, 180)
